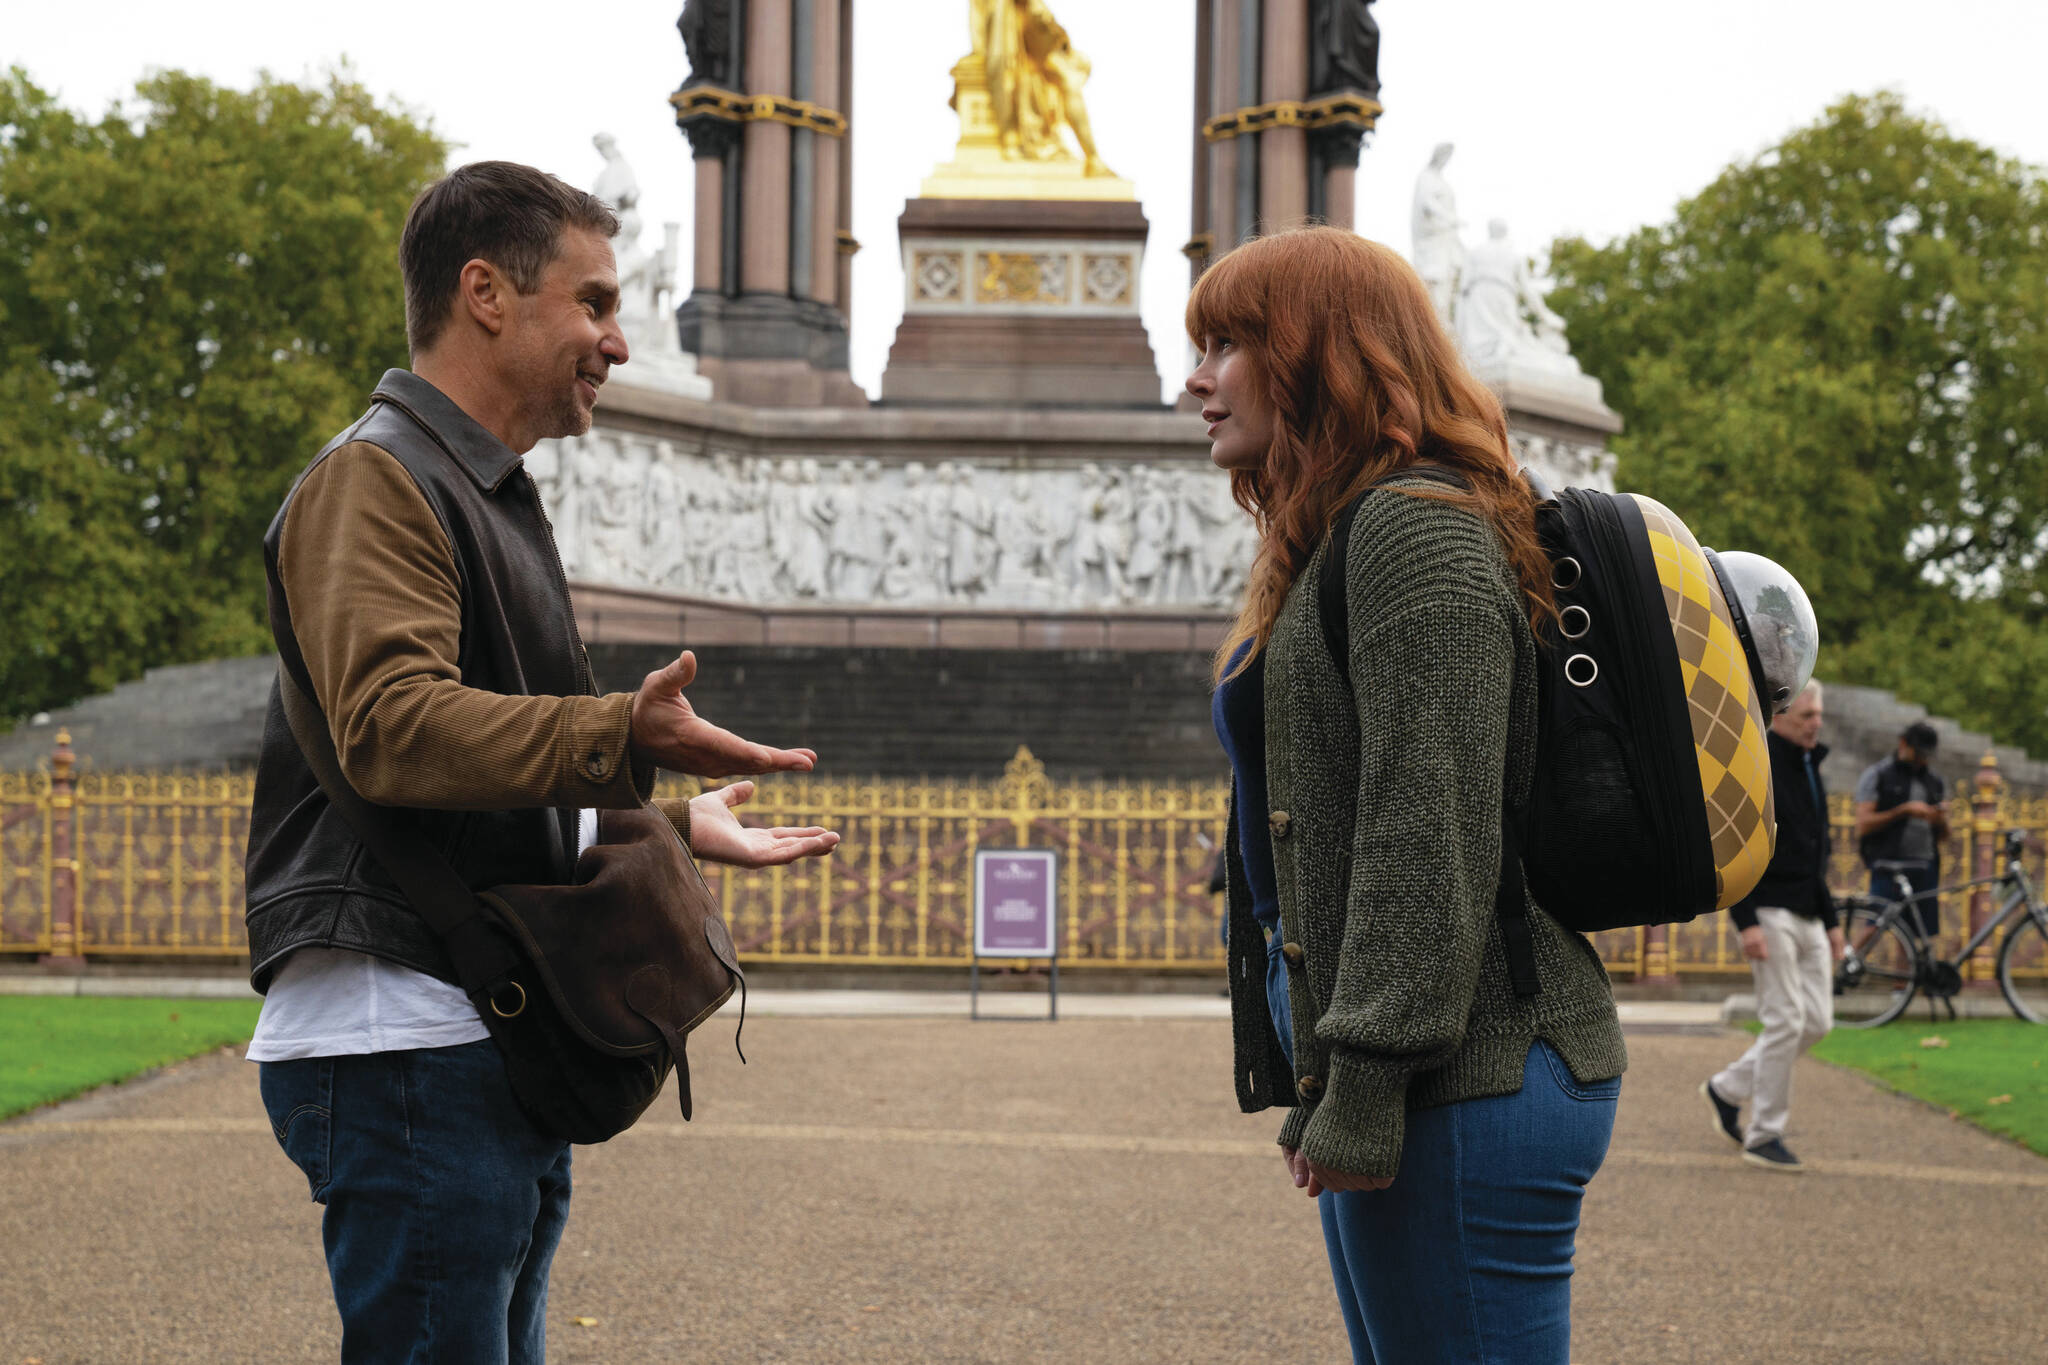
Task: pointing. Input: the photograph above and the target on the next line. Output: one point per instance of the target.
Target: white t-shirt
(330, 1002)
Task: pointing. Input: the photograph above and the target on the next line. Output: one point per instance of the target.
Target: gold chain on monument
(1331, 111)
(733, 107)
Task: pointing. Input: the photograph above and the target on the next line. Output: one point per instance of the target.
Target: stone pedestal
(1557, 423)
(1022, 302)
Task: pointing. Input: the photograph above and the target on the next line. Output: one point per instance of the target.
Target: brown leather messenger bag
(588, 990)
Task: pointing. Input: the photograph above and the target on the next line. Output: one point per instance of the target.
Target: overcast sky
(1571, 116)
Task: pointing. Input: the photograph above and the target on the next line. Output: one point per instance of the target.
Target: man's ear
(484, 294)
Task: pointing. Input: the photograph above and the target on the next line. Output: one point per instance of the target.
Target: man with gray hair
(1792, 940)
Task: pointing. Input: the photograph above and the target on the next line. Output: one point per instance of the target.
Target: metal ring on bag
(1592, 670)
(517, 1009)
(1565, 573)
(1574, 615)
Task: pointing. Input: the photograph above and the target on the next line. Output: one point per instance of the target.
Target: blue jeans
(444, 1204)
(1467, 1256)
(1279, 1003)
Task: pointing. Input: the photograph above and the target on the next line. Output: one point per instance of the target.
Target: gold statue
(1018, 94)
(1034, 77)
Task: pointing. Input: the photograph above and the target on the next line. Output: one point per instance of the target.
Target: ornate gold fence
(127, 866)
(121, 865)
(1133, 869)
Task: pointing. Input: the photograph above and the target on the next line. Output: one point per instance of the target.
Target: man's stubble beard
(566, 418)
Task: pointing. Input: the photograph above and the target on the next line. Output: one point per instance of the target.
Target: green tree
(1835, 355)
(196, 290)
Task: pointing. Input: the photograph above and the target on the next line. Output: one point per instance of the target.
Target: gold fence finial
(1024, 778)
(1988, 778)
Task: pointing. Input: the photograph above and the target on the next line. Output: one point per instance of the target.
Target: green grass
(1990, 1073)
(54, 1047)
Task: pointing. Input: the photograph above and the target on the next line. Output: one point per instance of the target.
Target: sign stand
(1016, 914)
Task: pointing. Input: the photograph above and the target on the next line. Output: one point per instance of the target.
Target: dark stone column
(766, 316)
(1284, 92)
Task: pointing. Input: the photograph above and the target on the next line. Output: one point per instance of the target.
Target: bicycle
(1886, 949)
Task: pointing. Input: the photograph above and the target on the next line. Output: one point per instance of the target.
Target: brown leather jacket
(416, 593)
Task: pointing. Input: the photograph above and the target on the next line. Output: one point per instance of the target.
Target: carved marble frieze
(1563, 463)
(634, 511)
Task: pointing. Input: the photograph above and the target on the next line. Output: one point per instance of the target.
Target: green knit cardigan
(1385, 822)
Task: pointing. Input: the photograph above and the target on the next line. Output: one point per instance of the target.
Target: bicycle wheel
(2025, 950)
(1876, 978)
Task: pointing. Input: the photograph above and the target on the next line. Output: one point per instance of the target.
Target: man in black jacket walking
(1792, 941)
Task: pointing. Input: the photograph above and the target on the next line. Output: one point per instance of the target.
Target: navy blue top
(1239, 712)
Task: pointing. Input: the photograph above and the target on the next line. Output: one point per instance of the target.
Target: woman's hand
(717, 836)
(1315, 1179)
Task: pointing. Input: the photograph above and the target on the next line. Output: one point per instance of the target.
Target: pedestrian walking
(1446, 1125)
(1792, 940)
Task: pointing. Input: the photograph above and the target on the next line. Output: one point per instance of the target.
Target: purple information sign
(1015, 903)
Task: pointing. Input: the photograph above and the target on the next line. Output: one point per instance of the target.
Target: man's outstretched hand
(667, 730)
(717, 836)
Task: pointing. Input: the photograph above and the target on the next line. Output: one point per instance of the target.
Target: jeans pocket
(1607, 1091)
(299, 1097)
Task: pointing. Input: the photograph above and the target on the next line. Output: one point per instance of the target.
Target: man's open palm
(717, 836)
(668, 730)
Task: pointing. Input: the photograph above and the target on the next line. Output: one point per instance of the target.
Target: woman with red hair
(1447, 1124)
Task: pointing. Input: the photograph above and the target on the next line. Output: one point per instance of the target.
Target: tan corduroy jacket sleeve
(376, 604)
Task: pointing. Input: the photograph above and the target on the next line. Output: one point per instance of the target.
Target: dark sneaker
(1726, 1116)
(1773, 1156)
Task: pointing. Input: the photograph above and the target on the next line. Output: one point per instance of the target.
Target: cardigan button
(1309, 1086)
(1292, 953)
(1279, 822)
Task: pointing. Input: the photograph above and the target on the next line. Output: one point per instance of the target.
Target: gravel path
(929, 1190)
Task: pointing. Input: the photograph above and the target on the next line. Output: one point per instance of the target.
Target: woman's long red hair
(1363, 382)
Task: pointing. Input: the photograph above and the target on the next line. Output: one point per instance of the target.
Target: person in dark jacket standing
(414, 579)
(1792, 940)
(1900, 818)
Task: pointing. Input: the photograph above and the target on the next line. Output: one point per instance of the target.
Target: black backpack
(1652, 796)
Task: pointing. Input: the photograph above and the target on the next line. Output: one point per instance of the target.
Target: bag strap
(1510, 900)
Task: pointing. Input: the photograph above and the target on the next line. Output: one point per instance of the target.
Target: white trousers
(1795, 1000)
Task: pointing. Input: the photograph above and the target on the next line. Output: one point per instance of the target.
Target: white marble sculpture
(1433, 222)
(647, 285)
(1511, 338)
(1501, 309)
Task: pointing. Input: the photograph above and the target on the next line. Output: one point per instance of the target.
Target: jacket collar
(487, 460)
(1780, 744)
